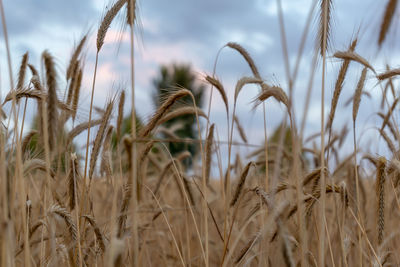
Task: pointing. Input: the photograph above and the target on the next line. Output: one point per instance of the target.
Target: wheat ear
(339, 85)
(52, 100)
(353, 56)
(99, 138)
(380, 194)
(77, 90)
(106, 156)
(387, 20)
(72, 181)
(240, 185)
(220, 88)
(154, 121)
(22, 71)
(209, 143)
(120, 115)
(358, 93)
(106, 22)
(74, 57)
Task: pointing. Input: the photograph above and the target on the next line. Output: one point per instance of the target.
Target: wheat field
(124, 200)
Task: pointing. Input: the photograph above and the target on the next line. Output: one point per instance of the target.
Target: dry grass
(285, 203)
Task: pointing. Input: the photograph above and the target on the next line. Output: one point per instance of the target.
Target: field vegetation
(127, 199)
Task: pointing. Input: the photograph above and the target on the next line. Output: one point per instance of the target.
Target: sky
(193, 32)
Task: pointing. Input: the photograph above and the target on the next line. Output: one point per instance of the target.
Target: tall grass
(287, 203)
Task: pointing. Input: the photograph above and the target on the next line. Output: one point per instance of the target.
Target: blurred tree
(173, 77)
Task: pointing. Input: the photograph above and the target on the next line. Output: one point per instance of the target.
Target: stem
(135, 217)
(322, 155)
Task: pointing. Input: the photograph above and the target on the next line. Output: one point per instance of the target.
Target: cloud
(25, 16)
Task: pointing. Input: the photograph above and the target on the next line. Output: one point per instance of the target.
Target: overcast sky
(190, 31)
